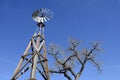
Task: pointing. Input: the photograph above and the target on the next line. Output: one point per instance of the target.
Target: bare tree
(67, 60)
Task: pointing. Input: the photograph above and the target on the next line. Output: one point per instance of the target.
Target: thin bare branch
(95, 63)
(69, 58)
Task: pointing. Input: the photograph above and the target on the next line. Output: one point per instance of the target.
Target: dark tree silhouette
(67, 61)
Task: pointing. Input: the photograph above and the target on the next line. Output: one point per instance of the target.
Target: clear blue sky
(85, 20)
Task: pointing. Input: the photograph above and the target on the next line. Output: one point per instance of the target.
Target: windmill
(35, 53)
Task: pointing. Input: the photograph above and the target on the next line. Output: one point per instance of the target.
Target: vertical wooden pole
(46, 63)
(44, 54)
(35, 59)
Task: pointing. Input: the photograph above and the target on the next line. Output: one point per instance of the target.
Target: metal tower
(34, 57)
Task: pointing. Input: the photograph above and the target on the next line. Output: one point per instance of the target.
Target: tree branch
(55, 71)
(95, 63)
(72, 72)
(67, 76)
(69, 58)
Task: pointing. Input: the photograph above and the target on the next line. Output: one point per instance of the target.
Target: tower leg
(34, 66)
(21, 61)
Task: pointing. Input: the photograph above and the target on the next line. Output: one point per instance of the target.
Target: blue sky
(85, 20)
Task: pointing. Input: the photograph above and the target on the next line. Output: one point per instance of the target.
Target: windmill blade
(45, 19)
(37, 11)
(42, 10)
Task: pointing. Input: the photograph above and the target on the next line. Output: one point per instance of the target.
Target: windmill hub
(42, 15)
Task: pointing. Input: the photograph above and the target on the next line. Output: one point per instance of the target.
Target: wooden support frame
(34, 54)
